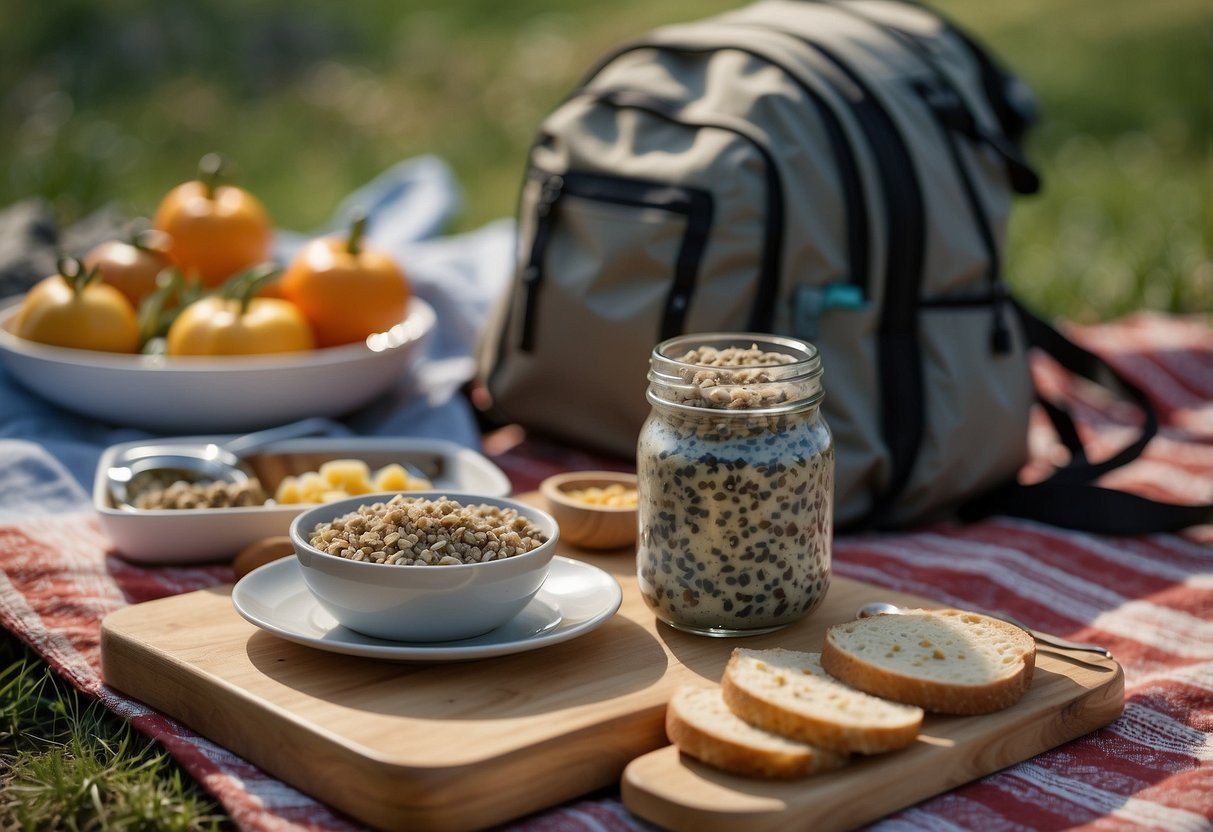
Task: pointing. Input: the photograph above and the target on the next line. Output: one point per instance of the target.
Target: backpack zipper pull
(532, 275)
(814, 301)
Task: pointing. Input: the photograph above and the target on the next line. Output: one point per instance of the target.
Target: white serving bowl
(178, 536)
(422, 603)
(221, 394)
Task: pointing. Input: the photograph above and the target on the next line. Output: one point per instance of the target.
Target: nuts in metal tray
(184, 494)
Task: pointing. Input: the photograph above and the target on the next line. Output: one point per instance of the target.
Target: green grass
(114, 104)
(1126, 149)
(66, 763)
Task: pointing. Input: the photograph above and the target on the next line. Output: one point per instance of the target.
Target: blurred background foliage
(111, 104)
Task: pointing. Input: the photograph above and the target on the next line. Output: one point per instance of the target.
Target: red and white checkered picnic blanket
(1149, 599)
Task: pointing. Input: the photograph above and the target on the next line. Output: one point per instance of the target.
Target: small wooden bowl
(588, 525)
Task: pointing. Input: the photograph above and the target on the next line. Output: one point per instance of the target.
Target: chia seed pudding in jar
(736, 484)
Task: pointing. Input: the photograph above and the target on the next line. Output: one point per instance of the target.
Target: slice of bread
(789, 693)
(947, 661)
(702, 726)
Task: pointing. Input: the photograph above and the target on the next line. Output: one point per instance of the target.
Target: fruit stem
(136, 228)
(210, 167)
(244, 287)
(72, 270)
(357, 229)
(143, 236)
(153, 310)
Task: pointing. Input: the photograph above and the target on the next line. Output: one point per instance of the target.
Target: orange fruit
(216, 230)
(347, 291)
(131, 266)
(75, 309)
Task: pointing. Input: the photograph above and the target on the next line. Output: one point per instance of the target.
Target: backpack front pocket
(613, 265)
(629, 251)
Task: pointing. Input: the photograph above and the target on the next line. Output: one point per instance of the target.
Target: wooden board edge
(765, 808)
(420, 798)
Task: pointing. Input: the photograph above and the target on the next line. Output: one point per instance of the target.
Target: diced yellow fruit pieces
(312, 487)
(296, 490)
(392, 477)
(341, 478)
(613, 496)
(350, 475)
(288, 491)
(305, 488)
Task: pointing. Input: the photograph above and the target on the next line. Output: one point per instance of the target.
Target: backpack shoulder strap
(1069, 498)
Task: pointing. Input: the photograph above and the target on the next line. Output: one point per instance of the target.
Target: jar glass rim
(807, 356)
(670, 378)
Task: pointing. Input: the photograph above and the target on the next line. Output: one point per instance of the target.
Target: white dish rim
(500, 487)
(287, 571)
(418, 322)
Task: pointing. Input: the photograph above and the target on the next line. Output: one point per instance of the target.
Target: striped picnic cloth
(1149, 599)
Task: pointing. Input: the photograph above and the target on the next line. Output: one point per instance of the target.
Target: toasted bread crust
(767, 712)
(935, 685)
(697, 739)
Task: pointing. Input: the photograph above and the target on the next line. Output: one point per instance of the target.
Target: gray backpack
(837, 171)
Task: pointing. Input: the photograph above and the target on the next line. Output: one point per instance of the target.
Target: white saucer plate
(575, 599)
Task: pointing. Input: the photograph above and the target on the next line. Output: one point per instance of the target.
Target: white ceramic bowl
(422, 603)
(202, 535)
(215, 395)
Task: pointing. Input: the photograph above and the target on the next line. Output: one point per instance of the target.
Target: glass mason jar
(736, 484)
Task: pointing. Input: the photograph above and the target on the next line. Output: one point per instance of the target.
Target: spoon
(205, 461)
(884, 608)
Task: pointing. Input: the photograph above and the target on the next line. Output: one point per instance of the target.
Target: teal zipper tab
(814, 301)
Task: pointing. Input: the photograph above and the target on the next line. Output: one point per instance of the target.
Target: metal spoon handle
(1053, 641)
(316, 425)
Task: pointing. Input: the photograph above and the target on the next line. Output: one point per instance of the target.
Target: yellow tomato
(347, 291)
(74, 309)
(216, 230)
(131, 266)
(217, 325)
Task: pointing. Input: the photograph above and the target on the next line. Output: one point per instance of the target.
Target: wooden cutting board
(472, 744)
(1072, 694)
